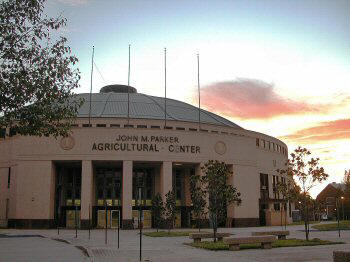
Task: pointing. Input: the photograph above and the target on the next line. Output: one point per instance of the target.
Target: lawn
(292, 242)
(302, 223)
(172, 233)
(343, 225)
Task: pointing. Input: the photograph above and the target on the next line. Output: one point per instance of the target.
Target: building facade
(124, 146)
(333, 197)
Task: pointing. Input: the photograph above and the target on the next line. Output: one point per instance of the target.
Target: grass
(343, 225)
(292, 242)
(172, 233)
(302, 223)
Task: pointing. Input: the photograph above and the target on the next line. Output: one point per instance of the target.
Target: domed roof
(113, 102)
(118, 89)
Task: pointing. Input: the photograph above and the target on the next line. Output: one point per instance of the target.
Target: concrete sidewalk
(171, 249)
(36, 249)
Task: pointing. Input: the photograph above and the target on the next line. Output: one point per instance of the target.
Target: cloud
(252, 99)
(331, 130)
(73, 2)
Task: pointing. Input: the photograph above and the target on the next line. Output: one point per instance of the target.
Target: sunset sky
(273, 66)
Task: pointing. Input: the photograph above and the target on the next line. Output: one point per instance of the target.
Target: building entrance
(67, 194)
(108, 190)
(143, 182)
(113, 218)
(181, 187)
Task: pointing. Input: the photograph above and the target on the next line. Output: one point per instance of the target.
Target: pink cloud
(331, 130)
(252, 99)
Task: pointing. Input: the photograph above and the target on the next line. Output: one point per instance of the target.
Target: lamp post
(342, 206)
(337, 209)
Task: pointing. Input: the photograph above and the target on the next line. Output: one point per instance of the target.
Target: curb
(83, 249)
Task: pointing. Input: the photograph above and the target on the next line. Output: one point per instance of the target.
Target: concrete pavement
(171, 249)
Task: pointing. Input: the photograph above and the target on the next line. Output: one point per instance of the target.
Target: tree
(197, 198)
(308, 172)
(157, 210)
(346, 181)
(170, 209)
(37, 72)
(288, 191)
(216, 175)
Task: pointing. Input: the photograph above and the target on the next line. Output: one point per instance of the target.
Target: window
(264, 181)
(87, 125)
(115, 125)
(9, 178)
(141, 126)
(12, 132)
(276, 206)
(180, 128)
(257, 142)
(274, 186)
(263, 143)
(144, 179)
(269, 145)
(168, 127)
(108, 186)
(128, 126)
(157, 127)
(192, 129)
(101, 125)
(264, 186)
(330, 200)
(2, 133)
(178, 184)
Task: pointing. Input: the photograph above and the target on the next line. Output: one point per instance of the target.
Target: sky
(274, 66)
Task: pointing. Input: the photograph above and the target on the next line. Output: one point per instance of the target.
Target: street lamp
(342, 205)
(337, 209)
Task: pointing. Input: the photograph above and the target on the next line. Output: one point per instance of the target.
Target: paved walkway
(36, 249)
(172, 249)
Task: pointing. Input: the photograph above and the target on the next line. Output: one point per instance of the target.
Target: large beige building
(45, 182)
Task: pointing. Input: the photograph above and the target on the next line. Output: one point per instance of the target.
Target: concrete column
(127, 195)
(166, 178)
(87, 184)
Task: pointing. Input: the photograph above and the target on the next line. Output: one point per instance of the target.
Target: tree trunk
(306, 219)
(285, 218)
(215, 225)
(281, 208)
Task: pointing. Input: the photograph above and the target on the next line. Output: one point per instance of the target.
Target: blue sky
(294, 53)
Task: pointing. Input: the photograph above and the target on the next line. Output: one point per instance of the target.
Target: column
(86, 193)
(166, 178)
(127, 195)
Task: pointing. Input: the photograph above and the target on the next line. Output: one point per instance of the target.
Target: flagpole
(129, 88)
(165, 86)
(199, 95)
(92, 71)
